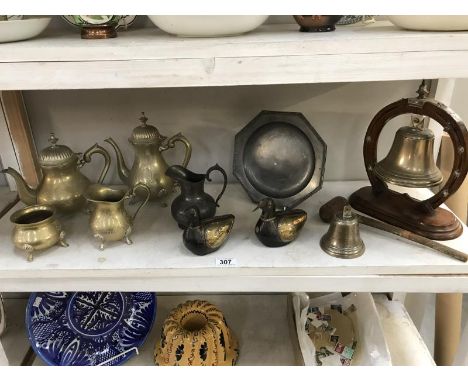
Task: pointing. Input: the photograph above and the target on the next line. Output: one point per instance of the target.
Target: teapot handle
(132, 194)
(217, 167)
(96, 149)
(180, 138)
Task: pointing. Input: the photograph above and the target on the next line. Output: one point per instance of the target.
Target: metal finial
(53, 139)
(423, 90)
(143, 118)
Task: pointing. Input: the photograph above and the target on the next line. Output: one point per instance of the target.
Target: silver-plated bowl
(279, 155)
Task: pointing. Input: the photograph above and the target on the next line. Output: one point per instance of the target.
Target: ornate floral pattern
(88, 328)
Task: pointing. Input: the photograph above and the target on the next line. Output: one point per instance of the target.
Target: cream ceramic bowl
(431, 23)
(207, 26)
(18, 30)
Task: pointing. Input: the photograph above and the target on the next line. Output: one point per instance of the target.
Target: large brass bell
(342, 239)
(410, 161)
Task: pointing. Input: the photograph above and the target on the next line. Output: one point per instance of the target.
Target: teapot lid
(56, 155)
(145, 133)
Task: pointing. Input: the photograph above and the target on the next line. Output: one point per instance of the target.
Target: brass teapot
(62, 185)
(149, 166)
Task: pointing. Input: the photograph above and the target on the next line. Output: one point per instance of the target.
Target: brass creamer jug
(149, 166)
(62, 185)
(109, 221)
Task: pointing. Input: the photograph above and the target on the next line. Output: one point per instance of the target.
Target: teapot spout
(122, 168)
(26, 194)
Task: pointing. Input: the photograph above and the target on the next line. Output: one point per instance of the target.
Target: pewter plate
(279, 155)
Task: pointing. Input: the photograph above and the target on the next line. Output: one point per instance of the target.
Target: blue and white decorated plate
(88, 328)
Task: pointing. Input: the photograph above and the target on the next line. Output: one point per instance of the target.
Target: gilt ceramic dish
(89, 328)
(84, 20)
(99, 26)
(279, 155)
(354, 19)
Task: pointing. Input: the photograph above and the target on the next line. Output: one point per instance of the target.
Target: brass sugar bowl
(149, 166)
(36, 229)
(62, 185)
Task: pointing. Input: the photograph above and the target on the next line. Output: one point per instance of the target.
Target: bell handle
(171, 144)
(446, 117)
(217, 167)
(96, 149)
(131, 194)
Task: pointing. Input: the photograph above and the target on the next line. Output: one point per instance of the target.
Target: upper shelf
(272, 54)
(158, 261)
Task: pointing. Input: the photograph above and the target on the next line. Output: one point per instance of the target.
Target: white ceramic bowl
(207, 26)
(431, 23)
(17, 30)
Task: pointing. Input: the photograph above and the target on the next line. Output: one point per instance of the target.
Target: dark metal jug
(193, 193)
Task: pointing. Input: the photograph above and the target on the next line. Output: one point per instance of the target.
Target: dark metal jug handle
(217, 167)
(171, 144)
(96, 149)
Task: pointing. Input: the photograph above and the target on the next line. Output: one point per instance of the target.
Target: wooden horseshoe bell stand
(424, 217)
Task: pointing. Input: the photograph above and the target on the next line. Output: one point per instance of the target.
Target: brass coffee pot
(149, 166)
(410, 161)
(62, 185)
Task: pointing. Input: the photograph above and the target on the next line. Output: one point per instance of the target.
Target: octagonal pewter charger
(279, 155)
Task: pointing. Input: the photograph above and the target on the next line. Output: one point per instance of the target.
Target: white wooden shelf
(263, 325)
(272, 54)
(158, 261)
(260, 322)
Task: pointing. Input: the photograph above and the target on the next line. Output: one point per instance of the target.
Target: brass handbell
(342, 239)
(410, 161)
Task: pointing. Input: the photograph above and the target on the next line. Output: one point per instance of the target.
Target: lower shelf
(260, 323)
(263, 325)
